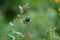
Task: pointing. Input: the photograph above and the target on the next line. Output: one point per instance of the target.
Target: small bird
(27, 20)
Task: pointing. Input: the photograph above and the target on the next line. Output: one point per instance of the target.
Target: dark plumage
(27, 19)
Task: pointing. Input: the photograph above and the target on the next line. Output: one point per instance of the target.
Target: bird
(27, 20)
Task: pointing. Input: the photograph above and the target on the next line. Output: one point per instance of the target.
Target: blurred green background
(44, 23)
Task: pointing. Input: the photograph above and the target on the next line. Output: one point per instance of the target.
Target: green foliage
(44, 23)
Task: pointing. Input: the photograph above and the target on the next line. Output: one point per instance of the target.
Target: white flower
(18, 16)
(19, 33)
(24, 7)
(21, 9)
(12, 23)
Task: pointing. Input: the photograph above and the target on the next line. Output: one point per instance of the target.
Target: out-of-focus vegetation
(44, 21)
